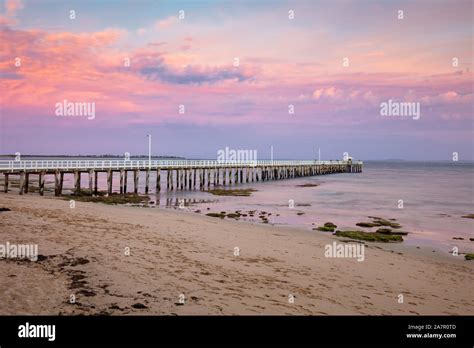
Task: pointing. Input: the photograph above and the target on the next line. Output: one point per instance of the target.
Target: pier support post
(96, 180)
(22, 182)
(122, 173)
(158, 180)
(61, 182)
(27, 182)
(77, 182)
(110, 175)
(135, 181)
(5, 183)
(91, 182)
(173, 172)
(208, 178)
(147, 180)
(41, 183)
(56, 184)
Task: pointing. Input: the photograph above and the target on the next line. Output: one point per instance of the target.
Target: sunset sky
(282, 62)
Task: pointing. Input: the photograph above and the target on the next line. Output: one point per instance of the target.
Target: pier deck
(180, 174)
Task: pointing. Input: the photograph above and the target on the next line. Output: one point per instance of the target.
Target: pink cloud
(166, 23)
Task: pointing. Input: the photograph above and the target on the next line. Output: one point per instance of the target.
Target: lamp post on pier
(149, 150)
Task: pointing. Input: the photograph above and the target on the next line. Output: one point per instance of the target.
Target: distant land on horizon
(92, 156)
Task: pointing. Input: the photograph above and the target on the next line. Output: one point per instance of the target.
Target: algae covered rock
(369, 236)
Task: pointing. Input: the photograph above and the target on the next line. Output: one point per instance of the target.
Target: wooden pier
(177, 174)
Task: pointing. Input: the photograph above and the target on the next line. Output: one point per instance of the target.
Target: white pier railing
(37, 165)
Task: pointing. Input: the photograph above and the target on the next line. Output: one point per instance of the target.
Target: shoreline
(436, 228)
(172, 253)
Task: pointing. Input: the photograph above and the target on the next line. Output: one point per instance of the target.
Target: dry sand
(173, 253)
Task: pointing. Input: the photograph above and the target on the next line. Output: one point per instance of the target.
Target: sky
(201, 76)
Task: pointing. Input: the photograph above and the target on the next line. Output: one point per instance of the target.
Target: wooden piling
(27, 181)
(208, 178)
(147, 180)
(122, 173)
(158, 180)
(41, 183)
(135, 181)
(110, 176)
(22, 182)
(96, 180)
(91, 182)
(172, 178)
(61, 182)
(5, 184)
(125, 181)
(56, 183)
(77, 182)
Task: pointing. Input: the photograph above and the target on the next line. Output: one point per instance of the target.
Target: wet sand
(172, 253)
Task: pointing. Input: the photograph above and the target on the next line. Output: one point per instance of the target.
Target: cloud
(165, 23)
(154, 66)
(193, 74)
(11, 8)
(450, 97)
(330, 92)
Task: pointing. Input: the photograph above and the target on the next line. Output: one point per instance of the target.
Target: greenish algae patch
(369, 236)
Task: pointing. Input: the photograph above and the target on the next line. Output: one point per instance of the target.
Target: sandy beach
(130, 260)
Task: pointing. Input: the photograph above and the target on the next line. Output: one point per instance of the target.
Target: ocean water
(435, 197)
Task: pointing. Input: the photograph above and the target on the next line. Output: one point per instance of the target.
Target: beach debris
(299, 213)
(4, 209)
(458, 238)
(469, 257)
(468, 216)
(139, 306)
(369, 236)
